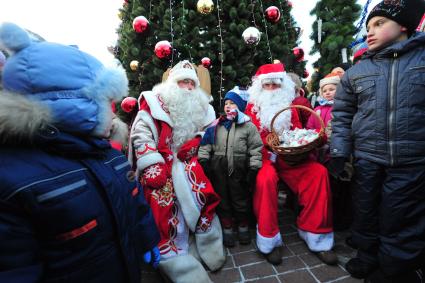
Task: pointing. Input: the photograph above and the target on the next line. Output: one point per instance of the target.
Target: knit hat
(73, 85)
(270, 71)
(407, 13)
(183, 70)
(331, 78)
(238, 96)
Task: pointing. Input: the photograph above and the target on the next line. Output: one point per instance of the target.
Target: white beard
(187, 110)
(268, 102)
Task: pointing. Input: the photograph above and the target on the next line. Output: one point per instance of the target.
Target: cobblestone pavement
(245, 264)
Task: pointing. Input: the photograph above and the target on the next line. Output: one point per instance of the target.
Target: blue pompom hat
(74, 85)
(238, 96)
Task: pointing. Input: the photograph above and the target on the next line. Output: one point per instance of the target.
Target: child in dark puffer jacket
(378, 118)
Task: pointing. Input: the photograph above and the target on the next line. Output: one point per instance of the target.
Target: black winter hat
(407, 13)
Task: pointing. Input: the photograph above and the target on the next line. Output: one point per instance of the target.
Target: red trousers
(311, 184)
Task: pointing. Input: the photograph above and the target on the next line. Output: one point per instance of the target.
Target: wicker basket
(298, 154)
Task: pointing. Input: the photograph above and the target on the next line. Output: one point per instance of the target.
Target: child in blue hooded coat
(70, 210)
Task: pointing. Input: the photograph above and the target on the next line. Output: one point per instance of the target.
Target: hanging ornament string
(284, 24)
(171, 32)
(253, 14)
(265, 28)
(183, 27)
(150, 9)
(221, 53)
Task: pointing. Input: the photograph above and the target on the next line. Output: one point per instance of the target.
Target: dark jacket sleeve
(344, 109)
(19, 260)
(147, 231)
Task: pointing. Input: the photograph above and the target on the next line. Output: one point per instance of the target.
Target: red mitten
(189, 149)
(154, 176)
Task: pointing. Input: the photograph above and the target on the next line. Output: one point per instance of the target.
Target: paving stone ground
(245, 264)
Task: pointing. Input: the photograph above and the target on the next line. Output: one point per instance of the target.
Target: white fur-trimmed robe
(187, 202)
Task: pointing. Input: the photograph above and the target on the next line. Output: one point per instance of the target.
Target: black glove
(205, 163)
(252, 177)
(336, 166)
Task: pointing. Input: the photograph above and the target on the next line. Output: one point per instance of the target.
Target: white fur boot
(184, 269)
(210, 246)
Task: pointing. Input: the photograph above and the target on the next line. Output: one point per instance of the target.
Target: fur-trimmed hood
(21, 119)
(75, 87)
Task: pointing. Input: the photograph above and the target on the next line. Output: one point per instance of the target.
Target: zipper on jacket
(391, 110)
(227, 141)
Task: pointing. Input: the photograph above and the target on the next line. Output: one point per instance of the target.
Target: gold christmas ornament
(134, 65)
(205, 6)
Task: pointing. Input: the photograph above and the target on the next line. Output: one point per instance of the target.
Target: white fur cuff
(266, 245)
(148, 160)
(317, 242)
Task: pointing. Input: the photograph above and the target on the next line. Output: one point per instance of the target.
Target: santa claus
(165, 137)
(271, 91)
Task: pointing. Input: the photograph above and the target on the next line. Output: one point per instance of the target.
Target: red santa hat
(270, 72)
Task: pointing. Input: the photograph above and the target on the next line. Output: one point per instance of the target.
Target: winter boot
(275, 257)
(411, 276)
(243, 235)
(328, 257)
(228, 238)
(360, 269)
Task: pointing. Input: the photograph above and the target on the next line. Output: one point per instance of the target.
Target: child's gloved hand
(336, 166)
(152, 257)
(155, 176)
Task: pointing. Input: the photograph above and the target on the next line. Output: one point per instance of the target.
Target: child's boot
(243, 233)
(228, 238)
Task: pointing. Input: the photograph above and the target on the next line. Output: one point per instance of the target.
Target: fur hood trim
(21, 119)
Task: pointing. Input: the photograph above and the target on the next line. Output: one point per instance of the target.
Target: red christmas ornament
(128, 104)
(140, 24)
(298, 53)
(306, 74)
(163, 49)
(272, 14)
(206, 62)
(289, 4)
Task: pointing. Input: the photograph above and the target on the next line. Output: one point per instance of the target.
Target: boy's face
(382, 32)
(229, 105)
(329, 91)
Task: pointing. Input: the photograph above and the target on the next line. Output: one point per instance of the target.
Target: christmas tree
(337, 29)
(214, 32)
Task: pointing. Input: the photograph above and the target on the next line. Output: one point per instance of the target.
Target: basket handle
(322, 124)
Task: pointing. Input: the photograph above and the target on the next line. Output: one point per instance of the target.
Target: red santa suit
(184, 208)
(308, 180)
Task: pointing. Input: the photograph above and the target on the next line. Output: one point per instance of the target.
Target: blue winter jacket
(379, 109)
(70, 211)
